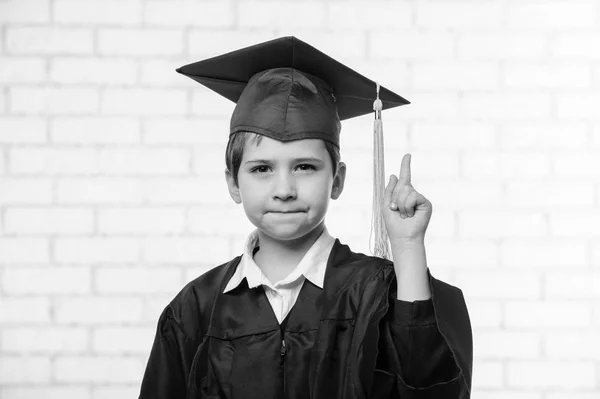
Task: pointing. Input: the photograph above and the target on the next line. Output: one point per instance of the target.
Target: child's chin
(286, 233)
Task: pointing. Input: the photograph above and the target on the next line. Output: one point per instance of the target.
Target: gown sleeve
(425, 358)
(427, 345)
(169, 362)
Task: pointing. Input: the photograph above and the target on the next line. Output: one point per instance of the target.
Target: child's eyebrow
(295, 160)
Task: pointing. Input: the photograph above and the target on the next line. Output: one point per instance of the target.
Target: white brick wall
(111, 174)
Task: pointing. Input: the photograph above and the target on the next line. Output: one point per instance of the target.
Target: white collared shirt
(283, 294)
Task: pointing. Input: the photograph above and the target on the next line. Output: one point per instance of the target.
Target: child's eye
(260, 169)
(306, 167)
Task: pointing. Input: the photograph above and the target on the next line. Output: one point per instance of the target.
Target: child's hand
(406, 212)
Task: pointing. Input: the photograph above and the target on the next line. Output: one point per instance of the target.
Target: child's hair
(235, 150)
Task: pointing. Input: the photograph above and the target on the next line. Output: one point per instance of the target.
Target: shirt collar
(312, 266)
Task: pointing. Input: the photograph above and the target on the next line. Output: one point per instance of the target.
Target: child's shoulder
(359, 266)
(191, 306)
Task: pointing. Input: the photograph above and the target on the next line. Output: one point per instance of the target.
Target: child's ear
(234, 190)
(338, 181)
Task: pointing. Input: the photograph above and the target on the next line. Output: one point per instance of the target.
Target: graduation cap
(287, 90)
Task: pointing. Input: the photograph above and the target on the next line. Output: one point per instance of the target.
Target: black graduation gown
(352, 339)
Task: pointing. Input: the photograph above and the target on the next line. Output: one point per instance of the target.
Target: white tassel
(379, 243)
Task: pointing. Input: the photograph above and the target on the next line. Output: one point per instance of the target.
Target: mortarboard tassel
(379, 238)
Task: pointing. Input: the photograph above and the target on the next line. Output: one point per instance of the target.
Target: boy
(299, 315)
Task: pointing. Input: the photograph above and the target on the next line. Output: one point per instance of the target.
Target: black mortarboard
(288, 90)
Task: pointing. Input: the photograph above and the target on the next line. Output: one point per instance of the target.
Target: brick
(555, 76)
(210, 250)
(506, 165)
(192, 272)
(49, 40)
(543, 254)
(55, 280)
(161, 73)
(218, 220)
(89, 130)
(556, 314)
(15, 70)
(100, 191)
(553, 14)
(550, 195)
(508, 394)
(459, 15)
(596, 137)
(348, 47)
(550, 374)
(578, 106)
(523, 285)
(572, 395)
(377, 15)
(24, 250)
(22, 130)
(408, 44)
(138, 161)
(582, 285)
(189, 13)
(52, 161)
(123, 340)
(431, 107)
(142, 102)
(270, 14)
(208, 106)
(467, 76)
(575, 224)
(540, 136)
(572, 345)
(105, 12)
(25, 191)
(205, 43)
(501, 224)
(504, 344)
(146, 280)
(506, 106)
(46, 340)
(111, 392)
(141, 221)
(186, 131)
(499, 46)
(95, 250)
(209, 162)
(578, 164)
(491, 374)
(100, 369)
(577, 45)
(24, 11)
(485, 313)
(449, 253)
(46, 392)
(24, 370)
(140, 42)
(24, 310)
(97, 310)
(53, 101)
(3, 101)
(464, 193)
(94, 71)
(452, 136)
(48, 221)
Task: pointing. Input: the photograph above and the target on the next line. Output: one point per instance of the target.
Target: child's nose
(285, 187)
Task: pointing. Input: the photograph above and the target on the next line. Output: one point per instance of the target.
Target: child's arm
(407, 213)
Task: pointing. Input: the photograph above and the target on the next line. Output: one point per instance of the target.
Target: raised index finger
(405, 169)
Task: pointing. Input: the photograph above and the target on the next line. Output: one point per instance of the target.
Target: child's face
(285, 187)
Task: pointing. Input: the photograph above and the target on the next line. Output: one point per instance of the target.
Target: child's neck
(277, 259)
